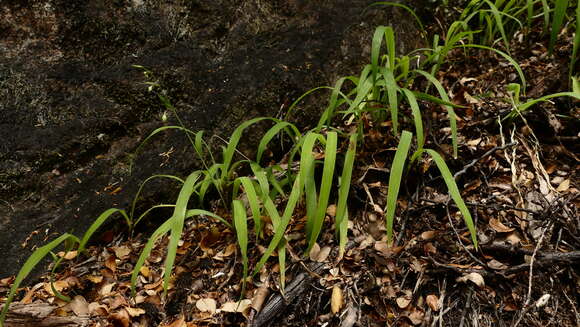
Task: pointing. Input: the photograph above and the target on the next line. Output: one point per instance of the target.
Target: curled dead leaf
(499, 227)
(403, 301)
(121, 251)
(68, 255)
(496, 265)
(336, 299)
(134, 312)
(386, 250)
(79, 306)
(241, 306)
(474, 277)
(206, 305)
(433, 302)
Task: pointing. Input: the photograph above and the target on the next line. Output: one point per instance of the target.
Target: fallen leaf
(206, 305)
(403, 301)
(336, 300)
(428, 235)
(416, 317)
(68, 255)
(111, 263)
(542, 301)
(496, 265)
(386, 250)
(241, 306)
(59, 285)
(564, 186)
(474, 277)
(97, 309)
(95, 279)
(120, 318)
(433, 302)
(106, 289)
(134, 312)
(121, 251)
(145, 271)
(331, 210)
(179, 322)
(260, 297)
(499, 227)
(79, 306)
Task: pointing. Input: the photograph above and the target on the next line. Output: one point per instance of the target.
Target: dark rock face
(72, 107)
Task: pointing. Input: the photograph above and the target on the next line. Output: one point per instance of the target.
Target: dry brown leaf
(514, 238)
(474, 277)
(314, 252)
(323, 254)
(59, 285)
(145, 271)
(68, 255)
(121, 251)
(206, 305)
(331, 210)
(79, 306)
(336, 300)
(416, 316)
(499, 227)
(111, 263)
(241, 306)
(404, 301)
(386, 250)
(433, 302)
(260, 297)
(564, 186)
(428, 235)
(95, 279)
(120, 318)
(97, 309)
(106, 289)
(496, 265)
(134, 312)
(179, 322)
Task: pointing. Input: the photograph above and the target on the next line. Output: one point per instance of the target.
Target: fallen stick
(38, 314)
(277, 303)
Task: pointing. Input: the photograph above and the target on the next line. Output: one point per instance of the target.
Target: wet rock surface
(73, 108)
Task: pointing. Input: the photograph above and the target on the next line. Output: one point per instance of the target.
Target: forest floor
(520, 181)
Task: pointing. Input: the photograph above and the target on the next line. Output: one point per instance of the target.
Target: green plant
(395, 179)
(519, 107)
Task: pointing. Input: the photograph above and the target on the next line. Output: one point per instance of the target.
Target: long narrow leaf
(35, 258)
(395, 177)
(345, 180)
(240, 224)
(454, 192)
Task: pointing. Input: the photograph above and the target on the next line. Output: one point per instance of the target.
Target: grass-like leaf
(400, 5)
(416, 117)
(325, 187)
(240, 224)
(454, 193)
(272, 132)
(136, 198)
(345, 180)
(254, 203)
(503, 54)
(35, 258)
(98, 223)
(280, 229)
(450, 112)
(160, 231)
(395, 177)
(178, 219)
(559, 14)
